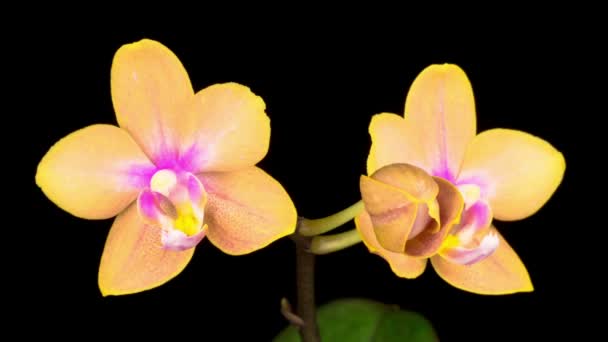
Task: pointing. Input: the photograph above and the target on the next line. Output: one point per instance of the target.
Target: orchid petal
(392, 143)
(134, 260)
(413, 180)
(402, 265)
(500, 273)
(225, 128)
(149, 90)
(392, 213)
(93, 173)
(246, 210)
(440, 113)
(451, 204)
(400, 200)
(439, 123)
(518, 171)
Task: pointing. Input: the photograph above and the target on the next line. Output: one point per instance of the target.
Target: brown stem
(305, 277)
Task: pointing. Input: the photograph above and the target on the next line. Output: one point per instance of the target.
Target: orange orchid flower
(180, 167)
(435, 187)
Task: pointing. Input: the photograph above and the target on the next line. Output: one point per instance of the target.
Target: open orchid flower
(180, 167)
(435, 186)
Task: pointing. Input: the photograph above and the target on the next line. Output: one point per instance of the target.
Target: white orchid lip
(468, 256)
(176, 240)
(175, 202)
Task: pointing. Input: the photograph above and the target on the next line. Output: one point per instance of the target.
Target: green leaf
(362, 320)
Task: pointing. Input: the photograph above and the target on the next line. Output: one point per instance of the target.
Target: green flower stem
(325, 244)
(308, 227)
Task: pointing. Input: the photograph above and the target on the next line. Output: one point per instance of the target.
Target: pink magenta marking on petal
(189, 159)
(475, 219)
(444, 173)
(478, 213)
(443, 149)
(167, 160)
(152, 206)
(139, 175)
(176, 240)
(195, 188)
(147, 205)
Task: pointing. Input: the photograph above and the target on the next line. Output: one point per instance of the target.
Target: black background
(321, 88)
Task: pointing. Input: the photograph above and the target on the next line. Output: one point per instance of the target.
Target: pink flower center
(175, 202)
